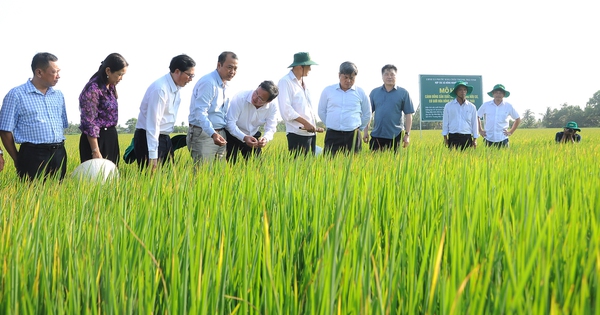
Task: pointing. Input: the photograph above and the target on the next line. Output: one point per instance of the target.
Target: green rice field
(424, 231)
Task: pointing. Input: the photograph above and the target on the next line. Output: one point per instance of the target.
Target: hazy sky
(544, 52)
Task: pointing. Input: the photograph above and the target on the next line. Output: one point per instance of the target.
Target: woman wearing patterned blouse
(99, 111)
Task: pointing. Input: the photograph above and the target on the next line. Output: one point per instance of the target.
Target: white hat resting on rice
(96, 169)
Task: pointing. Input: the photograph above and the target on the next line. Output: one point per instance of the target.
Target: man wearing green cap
(569, 134)
(459, 124)
(295, 107)
(495, 113)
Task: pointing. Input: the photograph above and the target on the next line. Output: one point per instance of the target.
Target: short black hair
(271, 88)
(389, 67)
(42, 61)
(223, 56)
(182, 62)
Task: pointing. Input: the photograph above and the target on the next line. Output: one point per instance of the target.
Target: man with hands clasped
(248, 111)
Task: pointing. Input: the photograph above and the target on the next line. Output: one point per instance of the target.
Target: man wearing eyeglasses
(158, 112)
(569, 134)
(206, 138)
(248, 111)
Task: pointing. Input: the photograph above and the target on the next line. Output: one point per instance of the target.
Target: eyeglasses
(260, 99)
(191, 76)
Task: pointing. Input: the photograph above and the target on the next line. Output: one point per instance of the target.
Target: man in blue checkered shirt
(34, 115)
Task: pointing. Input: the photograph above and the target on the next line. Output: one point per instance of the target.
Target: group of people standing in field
(462, 121)
(223, 126)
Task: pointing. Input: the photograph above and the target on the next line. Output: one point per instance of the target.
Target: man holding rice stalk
(248, 111)
(459, 124)
(206, 138)
(296, 109)
(495, 113)
(389, 103)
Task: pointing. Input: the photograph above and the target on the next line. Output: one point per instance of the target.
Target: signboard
(435, 89)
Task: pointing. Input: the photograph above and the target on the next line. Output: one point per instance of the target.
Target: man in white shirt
(248, 111)
(460, 124)
(495, 114)
(345, 110)
(295, 107)
(158, 112)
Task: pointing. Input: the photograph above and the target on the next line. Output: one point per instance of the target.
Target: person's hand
(218, 139)
(262, 142)
(474, 143)
(96, 154)
(153, 164)
(1, 162)
(483, 133)
(446, 142)
(366, 137)
(406, 141)
(251, 141)
(507, 133)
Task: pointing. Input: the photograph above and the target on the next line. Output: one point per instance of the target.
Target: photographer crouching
(569, 133)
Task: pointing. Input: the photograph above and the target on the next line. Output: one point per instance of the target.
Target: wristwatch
(1, 153)
(407, 133)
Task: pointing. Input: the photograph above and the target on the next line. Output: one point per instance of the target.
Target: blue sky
(543, 52)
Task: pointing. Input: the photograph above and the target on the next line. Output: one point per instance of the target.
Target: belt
(216, 129)
(106, 128)
(351, 131)
(45, 146)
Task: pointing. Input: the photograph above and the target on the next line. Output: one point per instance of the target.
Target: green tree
(427, 125)
(592, 111)
(528, 120)
(131, 125)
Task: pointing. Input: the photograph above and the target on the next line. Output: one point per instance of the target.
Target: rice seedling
(426, 230)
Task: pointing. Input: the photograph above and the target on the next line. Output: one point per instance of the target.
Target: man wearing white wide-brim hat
(495, 115)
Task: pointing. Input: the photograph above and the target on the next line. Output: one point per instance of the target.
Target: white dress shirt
(344, 110)
(158, 111)
(460, 119)
(496, 119)
(244, 119)
(294, 101)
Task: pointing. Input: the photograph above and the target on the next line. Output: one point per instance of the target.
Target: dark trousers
(235, 146)
(345, 141)
(304, 145)
(459, 141)
(376, 144)
(41, 160)
(140, 146)
(108, 143)
(499, 144)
